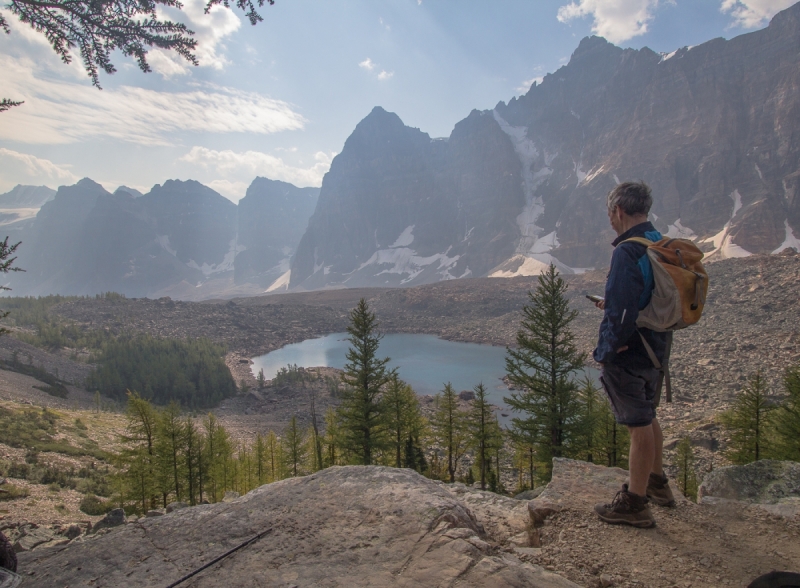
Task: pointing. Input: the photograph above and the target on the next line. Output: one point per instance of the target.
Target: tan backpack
(679, 293)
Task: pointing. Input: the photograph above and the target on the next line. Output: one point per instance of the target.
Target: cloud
(615, 20)
(370, 66)
(22, 168)
(749, 14)
(236, 168)
(210, 31)
(57, 111)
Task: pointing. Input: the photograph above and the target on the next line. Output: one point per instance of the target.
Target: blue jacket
(628, 290)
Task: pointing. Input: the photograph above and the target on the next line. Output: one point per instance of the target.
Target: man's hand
(601, 305)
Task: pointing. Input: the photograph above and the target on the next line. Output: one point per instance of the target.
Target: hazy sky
(279, 99)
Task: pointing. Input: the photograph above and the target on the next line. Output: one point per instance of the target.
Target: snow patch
(546, 243)
(406, 261)
(405, 239)
(790, 241)
(723, 245)
(616, 179)
(163, 240)
(226, 265)
(592, 174)
(666, 56)
(533, 265)
(580, 173)
(534, 205)
(737, 202)
(758, 169)
(678, 231)
(281, 283)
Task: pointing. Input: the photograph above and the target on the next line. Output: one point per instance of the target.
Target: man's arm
(621, 309)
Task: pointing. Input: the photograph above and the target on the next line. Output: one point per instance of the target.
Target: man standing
(628, 375)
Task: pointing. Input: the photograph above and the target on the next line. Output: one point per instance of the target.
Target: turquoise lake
(426, 362)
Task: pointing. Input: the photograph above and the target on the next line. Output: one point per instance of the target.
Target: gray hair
(634, 198)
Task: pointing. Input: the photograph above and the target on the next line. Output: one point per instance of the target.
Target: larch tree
(787, 418)
(295, 448)
(480, 425)
(362, 414)
(403, 416)
(684, 460)
(449, 428)
(542, 369)
(748, 422)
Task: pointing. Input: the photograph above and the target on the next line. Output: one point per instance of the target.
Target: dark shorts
(633, 393)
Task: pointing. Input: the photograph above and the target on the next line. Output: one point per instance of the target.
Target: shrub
(12, 492)
(92, 505)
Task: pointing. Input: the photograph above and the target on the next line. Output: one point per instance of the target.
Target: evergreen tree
(294, 448)
(261, 379)
(448, 425)
(403, 416)
(748, 423)
(480, 426)
(687, 479)
(541, 368)
(787, 418)
(362, 415)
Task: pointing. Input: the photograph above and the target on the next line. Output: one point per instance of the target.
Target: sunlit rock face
(272, 218)
(713, 129)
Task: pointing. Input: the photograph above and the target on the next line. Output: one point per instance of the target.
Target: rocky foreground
(377, 526)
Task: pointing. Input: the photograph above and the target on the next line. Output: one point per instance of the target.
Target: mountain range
(181, 238)
(713, 129)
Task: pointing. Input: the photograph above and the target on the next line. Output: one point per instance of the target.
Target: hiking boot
(658, 490)
(627, 508)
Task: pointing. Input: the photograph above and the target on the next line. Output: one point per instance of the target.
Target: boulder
(365, 526)
(772, 485)
(31, 536)
(230, 496)
(173, 506)
(114, 518)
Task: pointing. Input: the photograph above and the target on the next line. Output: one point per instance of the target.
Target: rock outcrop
(769, 484)
(355, 526)
(710, 128)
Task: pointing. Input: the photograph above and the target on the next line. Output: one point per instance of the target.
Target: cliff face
(713, 129)
(399, 208)
(271, 218)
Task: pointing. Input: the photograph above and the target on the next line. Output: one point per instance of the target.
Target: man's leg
(641, 458)
(658, 439)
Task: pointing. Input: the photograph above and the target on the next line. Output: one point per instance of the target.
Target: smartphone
(594, 298)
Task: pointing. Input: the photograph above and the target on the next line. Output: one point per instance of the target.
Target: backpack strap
(640, 241)
(662, 367)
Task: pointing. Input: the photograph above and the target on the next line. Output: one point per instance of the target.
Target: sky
(279, 99)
